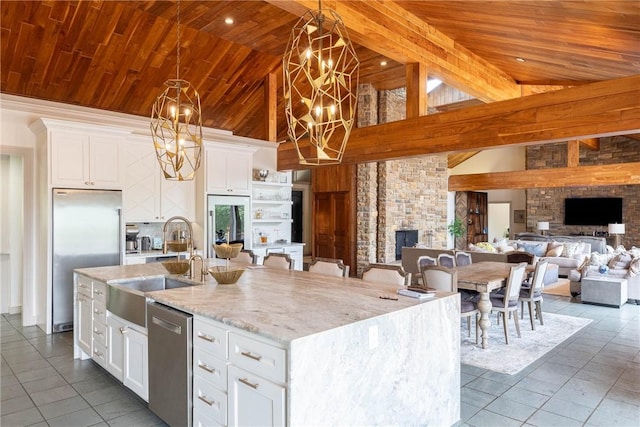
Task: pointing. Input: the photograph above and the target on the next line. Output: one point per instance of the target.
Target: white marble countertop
(281, 305)
(152, 253)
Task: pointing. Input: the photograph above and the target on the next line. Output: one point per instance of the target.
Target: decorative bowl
(226, 276)
(176, 246)
(176, 266)
(227, 251)
(603, 269)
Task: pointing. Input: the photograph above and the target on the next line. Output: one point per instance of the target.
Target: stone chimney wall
(547, 204)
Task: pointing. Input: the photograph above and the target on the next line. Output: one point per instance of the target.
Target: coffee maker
(131, 238)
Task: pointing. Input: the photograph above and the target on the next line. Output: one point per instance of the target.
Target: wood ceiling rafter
(600, 109)
(391, 30)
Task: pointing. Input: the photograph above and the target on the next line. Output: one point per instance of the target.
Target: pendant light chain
(178, 47)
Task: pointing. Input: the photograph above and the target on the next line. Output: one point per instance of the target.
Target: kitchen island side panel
(402, 368)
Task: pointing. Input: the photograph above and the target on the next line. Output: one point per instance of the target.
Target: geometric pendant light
(321, 71)
(176, 126)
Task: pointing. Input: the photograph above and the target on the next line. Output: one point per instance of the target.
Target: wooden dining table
(484, 277)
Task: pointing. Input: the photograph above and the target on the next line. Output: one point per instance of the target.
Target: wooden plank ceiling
(116, 55)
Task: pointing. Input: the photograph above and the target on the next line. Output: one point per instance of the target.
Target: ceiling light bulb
(228, 21)
(520, 59)
(383, 63)
(318, 111)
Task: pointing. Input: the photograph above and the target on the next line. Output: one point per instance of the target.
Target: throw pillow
(584, 267)
(555, 250)
(569, 249)
(599, 259)
(505, 249)
(634, 267)
(537, 249)
(486, 246)
(620, 261)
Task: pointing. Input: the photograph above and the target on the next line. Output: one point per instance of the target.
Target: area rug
(520, 352)
(561, 288)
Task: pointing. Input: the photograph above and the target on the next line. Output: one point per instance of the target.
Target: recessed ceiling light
(520, 59)
(383, 63)
(228, 21)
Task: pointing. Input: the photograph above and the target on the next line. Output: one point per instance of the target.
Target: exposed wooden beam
(389, 29)
(599, 175)
(592, 143)
(417, 98)
(600, 109)
(271, 106)
(573, 153)
(454, 160)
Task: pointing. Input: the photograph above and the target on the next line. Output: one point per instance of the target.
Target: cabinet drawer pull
(246, 382)
(81, 299)
(97, 353)
(251, 356)
(96, 311)
(206, 337)
(86, 183)
(123, 330)
(98, 292)
(97, 332)
(208, 402)
(206, 368)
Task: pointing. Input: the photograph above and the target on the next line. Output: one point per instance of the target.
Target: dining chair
(278, 260)
(424, 260)
(444, 279)
(329, 267)
(517, 257)
(508, 302)
(463, 258)
(532, 293)
(388, 274)
(446, 260)
(246, 256)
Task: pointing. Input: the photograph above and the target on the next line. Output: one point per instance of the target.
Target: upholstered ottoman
(603, 290)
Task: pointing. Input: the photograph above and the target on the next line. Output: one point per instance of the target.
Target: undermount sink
(127, 300)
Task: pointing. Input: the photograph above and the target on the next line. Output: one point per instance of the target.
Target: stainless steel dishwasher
(170, 360)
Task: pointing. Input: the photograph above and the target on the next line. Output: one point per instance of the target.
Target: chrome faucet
(189, 238)
(203, 273)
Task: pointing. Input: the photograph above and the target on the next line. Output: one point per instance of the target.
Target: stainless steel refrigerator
(87, 232)
(229, 219)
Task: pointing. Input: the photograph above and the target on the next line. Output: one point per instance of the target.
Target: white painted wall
(499, 160)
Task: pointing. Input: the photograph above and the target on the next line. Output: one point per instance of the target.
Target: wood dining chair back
(329, 267)
(531, 293)
(425, 260)
(446, 260)
(463, 258)
(387, 274)
(246, 256)
(507, 302)
(278, 260)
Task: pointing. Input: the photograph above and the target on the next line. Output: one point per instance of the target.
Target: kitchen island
(347, 356)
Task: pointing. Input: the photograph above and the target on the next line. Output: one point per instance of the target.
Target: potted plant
(456, 229)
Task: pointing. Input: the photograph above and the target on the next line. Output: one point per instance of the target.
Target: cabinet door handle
(96, 311)
(251, 356)
(123, 330)
(98, 292)
(206, 337)
(205, 400)
(97, 332)
(247, 382)
(86, 183)
(206, 368)
(97, 353)
(93, 183)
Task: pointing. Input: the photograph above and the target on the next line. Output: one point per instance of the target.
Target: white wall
(499, 160)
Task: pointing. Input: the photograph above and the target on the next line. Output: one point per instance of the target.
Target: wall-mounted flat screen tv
(593, 211)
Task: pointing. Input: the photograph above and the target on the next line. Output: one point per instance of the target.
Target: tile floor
(591, 379)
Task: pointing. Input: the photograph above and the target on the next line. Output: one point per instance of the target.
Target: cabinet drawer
(99, 312)
(209, 401)
(99, 354)
(258, 357)
(210, 367)
(100, 334)
(84, 286)
(201, 419)
(210, 337)
(100, 292)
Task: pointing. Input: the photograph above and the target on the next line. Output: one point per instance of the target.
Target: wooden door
(332, 223)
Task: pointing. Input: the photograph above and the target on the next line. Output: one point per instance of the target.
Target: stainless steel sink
(127, 300)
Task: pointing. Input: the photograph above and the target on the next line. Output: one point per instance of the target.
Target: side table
(603, 290)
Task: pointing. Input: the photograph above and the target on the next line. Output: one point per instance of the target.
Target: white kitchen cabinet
(85, 160)
(239, 378)
(84, 327)
(228, 172)
(127, 357)
(147, 196)
(271, 208)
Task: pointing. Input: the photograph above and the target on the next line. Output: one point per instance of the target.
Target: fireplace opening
(404, 238)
